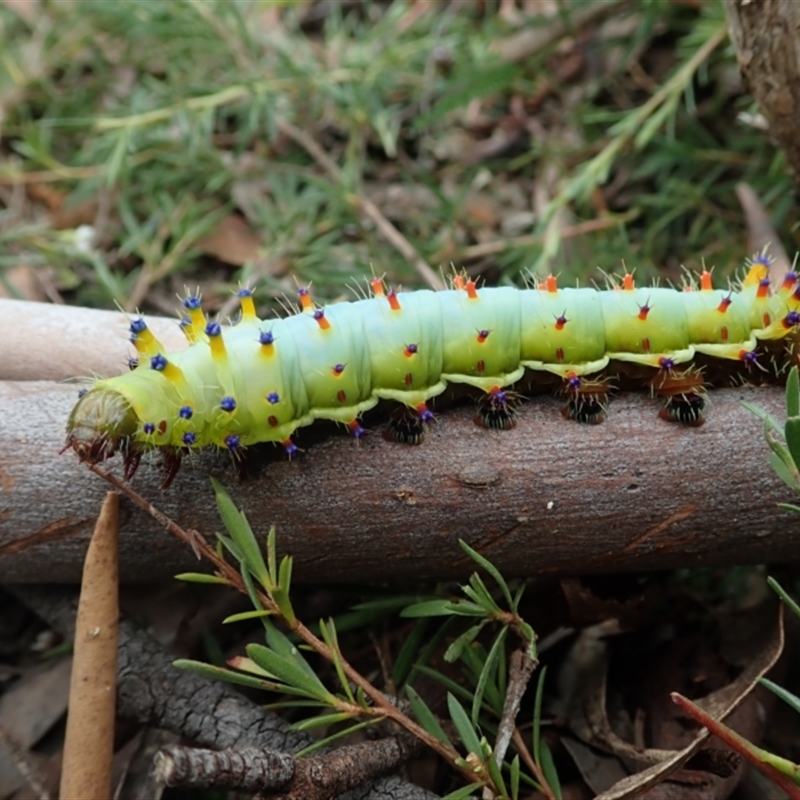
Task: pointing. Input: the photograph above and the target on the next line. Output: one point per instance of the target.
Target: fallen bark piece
(549, 496)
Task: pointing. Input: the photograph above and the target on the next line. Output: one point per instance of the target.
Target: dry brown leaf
(28, 710)
(232, 240)
(27, 9)
(22, 282)
(765, 645)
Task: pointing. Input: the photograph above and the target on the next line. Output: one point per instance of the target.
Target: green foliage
(339, 702)
(784, 442)
(170, 115)
(785, 461)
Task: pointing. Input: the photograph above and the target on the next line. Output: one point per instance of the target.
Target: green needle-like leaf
(242, 534)
(426, 717)
(453, 653)
(428, 608)
(793, 394)
(461, 720)
(490, 568)
(289, 671)
(201, 577)
(785, 695)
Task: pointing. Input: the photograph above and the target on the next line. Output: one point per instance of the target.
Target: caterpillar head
(101, 423)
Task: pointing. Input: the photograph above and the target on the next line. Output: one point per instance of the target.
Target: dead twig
(387, 229)
(280, 775)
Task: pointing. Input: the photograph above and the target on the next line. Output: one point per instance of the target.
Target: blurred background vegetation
(150, 145)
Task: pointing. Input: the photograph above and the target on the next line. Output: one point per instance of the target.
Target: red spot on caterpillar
(162, 427)
(273, 421)
(644, 311)
(458, 282)
(724, 303)
(723, 333)
(705, 281)
(472, 292)
(559, 354)
(341, 396)
(646, 345)
(410, 350)
(377, 287)
(561, 321)
(481, 365)
(394, 303)
(305, 297)
(483, 336)
(409, 379)
(319, 316)
(627, 282)
(767, 318)
(550, 284)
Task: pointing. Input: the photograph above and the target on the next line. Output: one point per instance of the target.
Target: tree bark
(766, 35)
(549, 496)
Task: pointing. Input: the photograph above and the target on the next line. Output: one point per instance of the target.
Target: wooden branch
(549, 496)
(42, 341)
(765, 35)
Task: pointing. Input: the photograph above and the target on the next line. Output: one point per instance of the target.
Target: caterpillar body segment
(259, 381)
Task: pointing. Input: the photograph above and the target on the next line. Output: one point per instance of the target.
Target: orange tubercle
(706, 283)
(305, 298)
(377, 287)
(472, 292)
(550, 284)
(394, 303)
(628, 283)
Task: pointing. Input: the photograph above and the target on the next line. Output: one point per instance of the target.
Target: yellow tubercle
(248, 307)
(146, 344)
(197, 323)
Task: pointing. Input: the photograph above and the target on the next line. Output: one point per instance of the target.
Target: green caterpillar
(260, 381)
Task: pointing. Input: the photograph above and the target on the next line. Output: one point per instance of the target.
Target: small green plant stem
(781, 771)
(230, 574)
(530, 763)
(632, 129)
